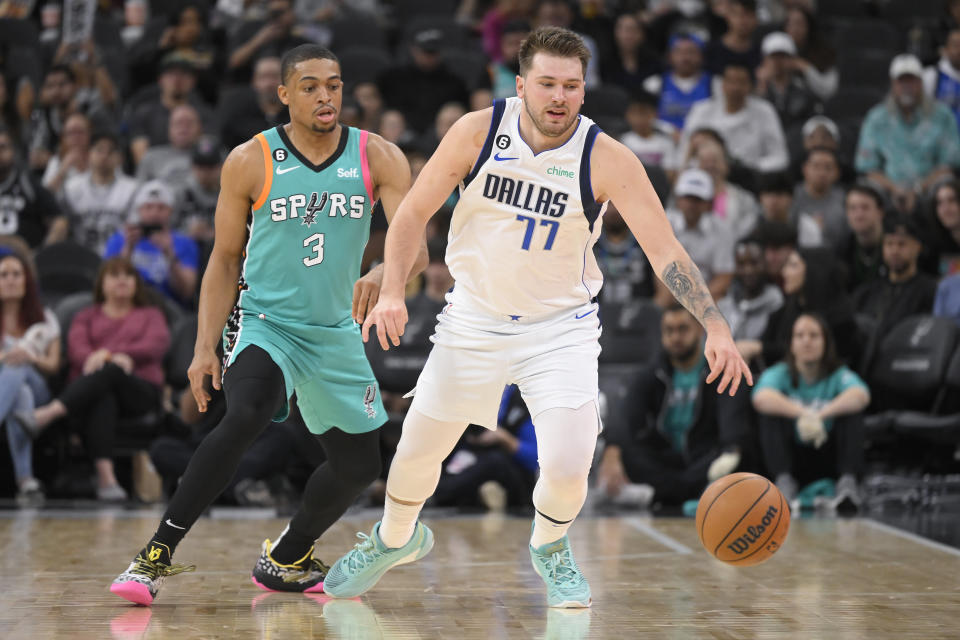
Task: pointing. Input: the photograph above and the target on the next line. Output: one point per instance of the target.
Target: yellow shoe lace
(153, 570)
(313, 564)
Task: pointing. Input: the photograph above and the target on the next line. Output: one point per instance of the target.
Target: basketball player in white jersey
(533, 177)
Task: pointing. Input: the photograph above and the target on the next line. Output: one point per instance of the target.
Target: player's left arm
(390, 173)
(617, 175)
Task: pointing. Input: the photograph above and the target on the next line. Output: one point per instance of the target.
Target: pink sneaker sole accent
(132, 591)
(317, 588)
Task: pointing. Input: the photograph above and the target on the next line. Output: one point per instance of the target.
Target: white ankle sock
(399, 521)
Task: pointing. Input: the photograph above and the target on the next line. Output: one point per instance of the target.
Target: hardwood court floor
(834, 579)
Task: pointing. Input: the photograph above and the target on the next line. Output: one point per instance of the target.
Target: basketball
(742, 519)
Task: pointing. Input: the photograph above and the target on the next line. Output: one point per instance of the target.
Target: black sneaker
(306, 575)
(143, 578)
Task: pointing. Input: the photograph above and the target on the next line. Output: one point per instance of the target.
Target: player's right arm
(449, 164)
(242, 178)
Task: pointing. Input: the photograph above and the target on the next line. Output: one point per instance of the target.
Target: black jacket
(719, 421)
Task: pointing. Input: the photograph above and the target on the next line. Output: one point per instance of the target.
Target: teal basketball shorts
(325, 366)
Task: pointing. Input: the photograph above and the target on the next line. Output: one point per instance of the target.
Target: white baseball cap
(815, 122)
(778, 42)
(696, 183)
(905, 64)
(154, 192)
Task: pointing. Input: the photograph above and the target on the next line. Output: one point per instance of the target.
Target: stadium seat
(866, 33)
(396, 370)
(455, 35)
(64, 268)
(22, 33)
(470, 66)
(901, 10)
(909, 370)
(606, 101)
(631, 332)
(363, 65)
(352, 31)
(68, 307)
(183, 335)
(853, 103)
(865, 68)
(407, 8)
(615, 382)
(844, 8)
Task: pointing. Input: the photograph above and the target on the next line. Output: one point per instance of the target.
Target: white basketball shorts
(552, 360)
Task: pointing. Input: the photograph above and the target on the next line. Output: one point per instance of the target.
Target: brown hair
(116, 265)
(829, 362)
(555, 41)
(31, 309)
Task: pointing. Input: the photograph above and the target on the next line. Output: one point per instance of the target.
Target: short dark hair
(99, 135)
(737, 64)
(644, 98)
(61, 68)
(748, 5)
(867, 190)
(821, 149)
(300, 53)
(775, 182)
(675, 307)
(555, 41)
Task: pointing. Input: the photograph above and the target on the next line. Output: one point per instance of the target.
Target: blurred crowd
(806, 153)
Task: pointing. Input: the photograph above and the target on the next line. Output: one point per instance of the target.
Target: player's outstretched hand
(203, 364)
(366, 291)
(390, 316)
(725, 361)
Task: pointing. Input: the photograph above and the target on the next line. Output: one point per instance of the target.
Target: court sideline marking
(644, 527)
(932, 544)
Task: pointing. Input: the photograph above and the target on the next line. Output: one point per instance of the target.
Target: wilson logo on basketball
(753, 533)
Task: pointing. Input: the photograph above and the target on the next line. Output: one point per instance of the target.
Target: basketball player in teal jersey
(291, 225)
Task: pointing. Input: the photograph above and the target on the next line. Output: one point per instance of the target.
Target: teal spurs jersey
(307, 233)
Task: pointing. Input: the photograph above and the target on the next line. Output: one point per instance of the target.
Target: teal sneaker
(360, 569)
(566, 586)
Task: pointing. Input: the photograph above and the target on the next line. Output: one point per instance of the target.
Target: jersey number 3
(316, 240)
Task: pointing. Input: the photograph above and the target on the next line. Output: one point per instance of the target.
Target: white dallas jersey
(522, 234)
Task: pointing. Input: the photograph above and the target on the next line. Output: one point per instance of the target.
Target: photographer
(167, 260)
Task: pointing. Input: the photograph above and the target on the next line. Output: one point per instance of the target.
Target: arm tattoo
(687, 286)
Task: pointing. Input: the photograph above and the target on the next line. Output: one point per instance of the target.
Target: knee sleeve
(424, 444)
(566, 439)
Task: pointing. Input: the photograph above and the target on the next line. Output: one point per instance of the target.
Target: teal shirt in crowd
(908, 151)
(813, 396)
(680, 405)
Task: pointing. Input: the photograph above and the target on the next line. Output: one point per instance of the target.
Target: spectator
(820, 198)
(946, 304)
(150, 121)
(495, 468)
(738, 46)
(946, 224)
(816, 59)
(29, 352)
(135, 14)
(445, 118)
(418, 90)
(811, 280)
(187, 38)
(776, 202)
(862, 251)
(98, 200)
(170, 162)
(505, 69)
(166, 260)
(684, 84)
(811, 422)
(248, 111)
(731, 203)
(26, 208)
(632, 61)
(264, 35)
(782, 83)
(9, 113)
(368, 97)
(751, 299)
(559, 13)
(680, 433)
(424, 307)
(942, 82)
(197, 202)
(749, 125)
(393, 128)
(908, 141)
(778, 240)
(73, 156)
(627, 274)
(115, 349)
(820, 132)
(902, 292)
(651, 144)
(495, 20)
(47, 120)
(708, 240)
